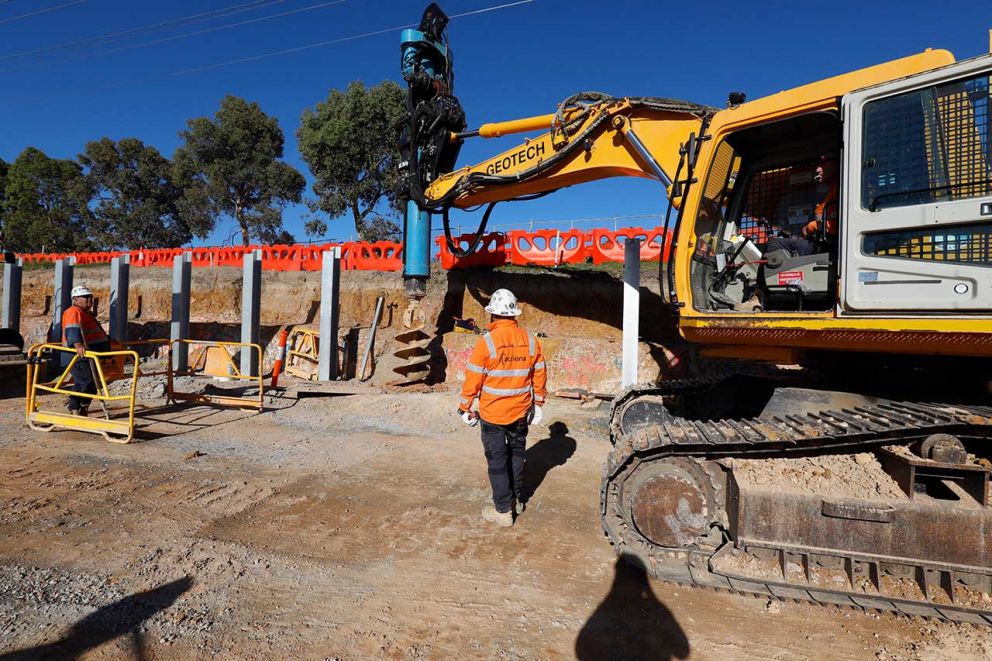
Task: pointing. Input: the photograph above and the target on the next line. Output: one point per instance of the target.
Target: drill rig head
(426, 147)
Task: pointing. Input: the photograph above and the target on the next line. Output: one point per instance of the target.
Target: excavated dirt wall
(577, 313)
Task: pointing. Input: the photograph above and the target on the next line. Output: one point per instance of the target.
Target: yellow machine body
(606, 151)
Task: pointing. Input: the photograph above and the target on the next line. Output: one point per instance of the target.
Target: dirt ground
(345, 525)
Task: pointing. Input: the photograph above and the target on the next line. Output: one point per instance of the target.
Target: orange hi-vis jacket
(506, 372)
(76, 323)
(825, 212)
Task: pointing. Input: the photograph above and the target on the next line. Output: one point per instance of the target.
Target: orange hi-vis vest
(506, 372)
(87, 325)
(825, 213)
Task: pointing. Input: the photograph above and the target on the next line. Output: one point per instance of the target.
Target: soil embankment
(577, 313)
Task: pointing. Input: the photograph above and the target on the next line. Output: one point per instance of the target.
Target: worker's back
(507, 372)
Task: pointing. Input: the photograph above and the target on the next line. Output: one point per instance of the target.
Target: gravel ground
(345, 524)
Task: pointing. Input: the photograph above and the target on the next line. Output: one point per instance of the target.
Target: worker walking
(506, 372)
(81, 331)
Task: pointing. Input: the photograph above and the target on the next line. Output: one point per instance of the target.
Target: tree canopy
(349, 143)
(136, 202)
(45, 204)
(3, 187)
(231, 165)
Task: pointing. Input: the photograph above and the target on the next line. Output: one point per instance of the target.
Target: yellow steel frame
(115, 431)
(304, 343)
(200, 365)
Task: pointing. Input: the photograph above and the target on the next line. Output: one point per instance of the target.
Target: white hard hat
(503, 304)
(80, 290)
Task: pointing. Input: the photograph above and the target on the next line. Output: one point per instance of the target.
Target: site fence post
(251, 304)
(120, 268)
(330, 280)
(12, 295)
(631, 309)
(179, 330)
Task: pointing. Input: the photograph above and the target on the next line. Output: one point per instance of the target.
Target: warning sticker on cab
(790, 278)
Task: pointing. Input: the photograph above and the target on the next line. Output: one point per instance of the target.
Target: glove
(536, 415)
(469, 418)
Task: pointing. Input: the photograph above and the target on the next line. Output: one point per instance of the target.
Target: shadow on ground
(546, 454)
(108, 623)
(631, 623)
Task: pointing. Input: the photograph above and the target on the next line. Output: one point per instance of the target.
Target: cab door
(917, 194)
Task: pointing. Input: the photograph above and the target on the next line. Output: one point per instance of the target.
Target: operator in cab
(823, 225)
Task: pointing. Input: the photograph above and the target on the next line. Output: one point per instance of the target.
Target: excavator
(833, 243)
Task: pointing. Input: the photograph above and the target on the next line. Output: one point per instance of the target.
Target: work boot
(504, 519)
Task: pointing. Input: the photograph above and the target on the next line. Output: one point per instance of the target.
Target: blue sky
(510, 62)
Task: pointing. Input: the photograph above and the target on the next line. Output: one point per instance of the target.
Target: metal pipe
(631, 310)
(330, 283)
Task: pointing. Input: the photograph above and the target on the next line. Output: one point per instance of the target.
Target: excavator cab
(755, 249)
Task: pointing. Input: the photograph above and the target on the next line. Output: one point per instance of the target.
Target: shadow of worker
(631, 623)
(107, 623)
(546, 454)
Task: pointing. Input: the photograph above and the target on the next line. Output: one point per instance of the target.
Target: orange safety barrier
(491, 251)
(608, 245)
(544, 247)
(377, 256)
(547, 247)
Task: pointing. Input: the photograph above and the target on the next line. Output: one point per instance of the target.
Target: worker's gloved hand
(470, 418)
(536, 415)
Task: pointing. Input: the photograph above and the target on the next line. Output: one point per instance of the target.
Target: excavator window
(755, 249)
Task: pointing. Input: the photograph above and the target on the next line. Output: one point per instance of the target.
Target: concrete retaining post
(631, 309)
(120, 268)
(251, 305)
(12, 295)
(181, 284)
(330, 281)
(61, 300)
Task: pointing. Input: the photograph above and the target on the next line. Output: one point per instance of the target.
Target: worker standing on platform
(81, 331)
(506, 372)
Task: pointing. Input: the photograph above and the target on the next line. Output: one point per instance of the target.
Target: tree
(136, 200)
(349, 144)
(230, 165)
(45, 204)
(3, 186)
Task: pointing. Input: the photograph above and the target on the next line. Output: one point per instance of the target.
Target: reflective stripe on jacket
(506, 372)
(77, 322)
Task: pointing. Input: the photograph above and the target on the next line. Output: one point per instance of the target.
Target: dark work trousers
(505, 446)
(82, 381)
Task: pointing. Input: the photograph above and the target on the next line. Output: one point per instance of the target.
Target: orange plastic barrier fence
(547, 247)
(608, 245)
(377, 256)
(491, 252)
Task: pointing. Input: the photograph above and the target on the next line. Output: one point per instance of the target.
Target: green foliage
(349, 144)
(3, 186)
(136, 203)
(230, 165)
(45, 204)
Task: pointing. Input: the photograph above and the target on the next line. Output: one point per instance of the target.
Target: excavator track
(671, 503)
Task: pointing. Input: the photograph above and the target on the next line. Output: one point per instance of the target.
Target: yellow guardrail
(215, 359)
(119, 430)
